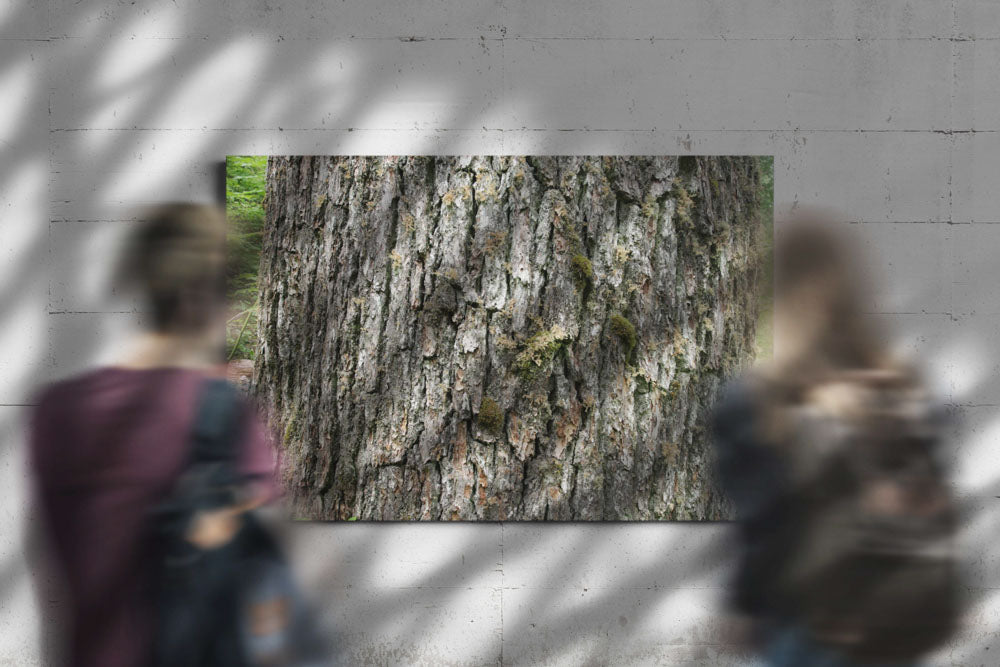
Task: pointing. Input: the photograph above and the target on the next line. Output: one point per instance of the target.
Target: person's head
(176, 260)
(818, 314)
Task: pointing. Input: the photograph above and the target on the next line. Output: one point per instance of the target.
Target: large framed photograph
(515, 338)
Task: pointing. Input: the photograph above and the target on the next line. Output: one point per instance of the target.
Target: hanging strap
(216, 424)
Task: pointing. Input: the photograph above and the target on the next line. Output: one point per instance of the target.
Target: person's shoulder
(59, 392)
(57, 408)
(95, 382)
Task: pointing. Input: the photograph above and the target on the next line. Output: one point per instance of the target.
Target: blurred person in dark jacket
(109, 445)
(830, 456)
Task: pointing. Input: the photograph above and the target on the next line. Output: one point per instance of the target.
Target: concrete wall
(889, 111)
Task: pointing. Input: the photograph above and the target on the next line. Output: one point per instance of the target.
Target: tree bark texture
(504, 338)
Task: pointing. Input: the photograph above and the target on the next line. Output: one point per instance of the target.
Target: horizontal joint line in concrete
(796, 130)
(493, 37)
(94, 312)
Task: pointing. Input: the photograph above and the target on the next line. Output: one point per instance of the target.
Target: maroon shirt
(106, 448)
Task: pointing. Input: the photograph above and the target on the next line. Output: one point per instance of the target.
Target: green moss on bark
(625, 331)
(490, 416)
(583, 271)
(293, 429)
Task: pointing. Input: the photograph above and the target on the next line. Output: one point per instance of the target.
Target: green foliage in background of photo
(245, 189)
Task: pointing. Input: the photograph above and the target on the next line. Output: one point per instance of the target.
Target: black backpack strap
(216, 424)
(194, 589)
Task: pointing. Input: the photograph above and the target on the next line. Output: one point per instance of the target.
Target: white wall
(889, 111)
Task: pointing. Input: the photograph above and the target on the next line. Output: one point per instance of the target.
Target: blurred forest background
(245, 191)
(245, 176)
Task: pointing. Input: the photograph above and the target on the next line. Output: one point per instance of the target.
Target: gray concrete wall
(889, 111)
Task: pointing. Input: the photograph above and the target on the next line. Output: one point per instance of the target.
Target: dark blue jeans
(792, 647)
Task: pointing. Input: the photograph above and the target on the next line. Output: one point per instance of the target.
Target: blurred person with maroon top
(108, 446)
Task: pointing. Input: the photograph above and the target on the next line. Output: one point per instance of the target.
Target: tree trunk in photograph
(504, 338)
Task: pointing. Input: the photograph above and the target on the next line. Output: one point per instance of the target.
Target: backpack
(236, 605)
(871, 568)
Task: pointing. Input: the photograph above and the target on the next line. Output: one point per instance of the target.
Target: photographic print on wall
(517, 338)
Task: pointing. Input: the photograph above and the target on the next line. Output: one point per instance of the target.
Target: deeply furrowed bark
(504, 338)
